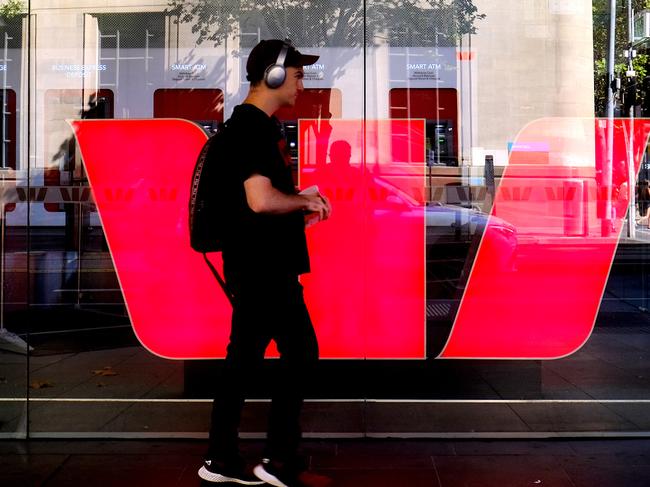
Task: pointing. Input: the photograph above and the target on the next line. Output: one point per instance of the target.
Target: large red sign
(563, 194)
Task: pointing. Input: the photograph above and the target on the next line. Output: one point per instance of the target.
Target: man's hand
(317, 203)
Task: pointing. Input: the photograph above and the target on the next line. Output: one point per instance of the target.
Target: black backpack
(205, 231)
(205, 216)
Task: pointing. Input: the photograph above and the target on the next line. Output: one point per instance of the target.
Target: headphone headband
(275, 74)
(282, 56)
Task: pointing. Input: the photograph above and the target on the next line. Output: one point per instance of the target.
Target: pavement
(78, 391)
(101, 410)
(350, 463)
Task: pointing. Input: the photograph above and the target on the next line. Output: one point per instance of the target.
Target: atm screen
(439, 142)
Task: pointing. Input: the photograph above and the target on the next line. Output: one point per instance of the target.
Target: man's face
(292, 86)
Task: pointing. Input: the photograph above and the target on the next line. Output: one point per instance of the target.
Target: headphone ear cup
(274, 76)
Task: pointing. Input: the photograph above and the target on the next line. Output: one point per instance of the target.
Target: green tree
(12, 8)
(329, 22)
(601, 17)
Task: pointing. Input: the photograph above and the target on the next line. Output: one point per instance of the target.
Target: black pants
(264, 310)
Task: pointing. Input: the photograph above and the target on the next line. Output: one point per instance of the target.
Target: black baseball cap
(266, 53)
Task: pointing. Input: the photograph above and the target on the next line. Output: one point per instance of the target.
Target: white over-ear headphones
(275, 74)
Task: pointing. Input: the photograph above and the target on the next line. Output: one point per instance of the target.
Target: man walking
(264, 252)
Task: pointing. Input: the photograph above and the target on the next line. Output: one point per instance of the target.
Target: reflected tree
(641, 63)
(329, 23)
(11, 9)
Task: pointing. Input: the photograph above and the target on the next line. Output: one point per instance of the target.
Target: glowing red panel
(568, 217)
(140, 172)
(367, 288)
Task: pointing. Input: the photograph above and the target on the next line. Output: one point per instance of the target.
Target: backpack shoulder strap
(220, 279)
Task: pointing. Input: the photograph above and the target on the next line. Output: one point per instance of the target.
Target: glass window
(489, 238)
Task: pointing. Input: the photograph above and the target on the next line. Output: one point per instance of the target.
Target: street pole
(631, 79)
(606, 222)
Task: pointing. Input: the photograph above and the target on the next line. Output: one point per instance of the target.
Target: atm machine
(440, 149)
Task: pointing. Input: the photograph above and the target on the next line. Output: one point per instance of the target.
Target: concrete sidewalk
(351, 463)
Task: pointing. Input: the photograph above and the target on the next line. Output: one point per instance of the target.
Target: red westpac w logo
(563, 198)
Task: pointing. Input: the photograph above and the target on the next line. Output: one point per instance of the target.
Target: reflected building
(472, 85)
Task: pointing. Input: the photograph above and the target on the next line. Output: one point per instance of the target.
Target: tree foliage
(601, 17)
(12, 8)
(328, 22)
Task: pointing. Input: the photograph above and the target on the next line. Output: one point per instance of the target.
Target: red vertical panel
(192, 104)
(10, 120)
(367, 286)
(140, 173)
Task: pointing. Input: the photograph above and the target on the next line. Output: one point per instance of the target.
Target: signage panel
(417, 67)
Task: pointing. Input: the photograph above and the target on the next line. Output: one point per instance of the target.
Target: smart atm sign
(367, 292)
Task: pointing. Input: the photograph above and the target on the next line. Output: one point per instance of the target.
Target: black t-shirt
(253, 243)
